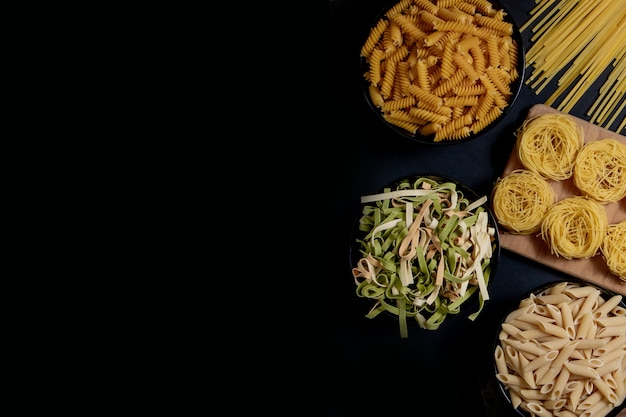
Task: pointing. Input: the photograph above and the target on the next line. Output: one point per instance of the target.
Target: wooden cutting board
(593, 269)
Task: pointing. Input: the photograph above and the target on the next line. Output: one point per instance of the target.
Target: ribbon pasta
(426, 249)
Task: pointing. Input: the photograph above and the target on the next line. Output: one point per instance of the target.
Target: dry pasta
(548, 145)
(587, 38)
(614, 249)
(455, 53)
(574, 227)
(574, 377)
(600, 170)
(520, 201)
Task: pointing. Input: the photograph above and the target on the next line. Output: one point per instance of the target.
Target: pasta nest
(521, 200)
(600, 170)
(548, 145)
(614, 249)
(575, 227)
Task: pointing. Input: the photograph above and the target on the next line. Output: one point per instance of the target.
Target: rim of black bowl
(516, 86)
(353, 248)
(606, 294)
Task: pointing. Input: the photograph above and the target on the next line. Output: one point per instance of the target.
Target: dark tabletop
(448, 370)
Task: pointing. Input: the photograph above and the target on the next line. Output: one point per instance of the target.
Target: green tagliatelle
(426, 250)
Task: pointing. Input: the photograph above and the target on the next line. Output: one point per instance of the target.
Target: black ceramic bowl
(407, 301)
(474, 126)
(548, 381)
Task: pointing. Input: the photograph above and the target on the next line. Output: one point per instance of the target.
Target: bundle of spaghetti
(608, 101)
(575, 227)
(520, 201)
(614, 249)
(548, 145)
(600, 170)
(588, 36)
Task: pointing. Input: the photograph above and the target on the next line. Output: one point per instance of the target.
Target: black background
(374, 371)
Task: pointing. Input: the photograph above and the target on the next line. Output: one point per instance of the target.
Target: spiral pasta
(548, 145)
(600, 170)
(440, 48)
(520, 201)
(575, 227)
(614, 249)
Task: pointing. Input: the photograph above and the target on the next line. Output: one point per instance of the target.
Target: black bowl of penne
(423, 249)
(442, 75)
(561, 351)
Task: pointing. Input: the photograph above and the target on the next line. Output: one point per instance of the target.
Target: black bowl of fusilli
(442, 75)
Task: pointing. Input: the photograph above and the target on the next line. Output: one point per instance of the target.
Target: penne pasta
(612, 331)
(540, 373)
(566, 358)
(610, 381)
(511, 356)
(564, 354)
(592, 399)
(555, 404)
(611, 345)
(612, 356)
(606, 391)
(555, 313)
(529, 347)
(555, 344)
(527, 375)
(589, 302)
(553, 299)
(591, 343)
(534, 394)
(609, 367)
(620, 382)
(533, 318)
(553, 329)
(582, 292)
(559, 384)
(581, 370)
(533, 334)
(511, 379)
(604, 309)
(611, 321)
(567, 319)
(538, 410)
(544, 359)
(584, 325)
(500, 361)
(619, 311)
(558, 288)
(574, 396)
(600, 409)
(516, 399)
(548, 377)
(522, 325)
(592, 363)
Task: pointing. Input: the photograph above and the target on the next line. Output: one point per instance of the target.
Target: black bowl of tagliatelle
(424, 249)
(561, 351)
(442, 74)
